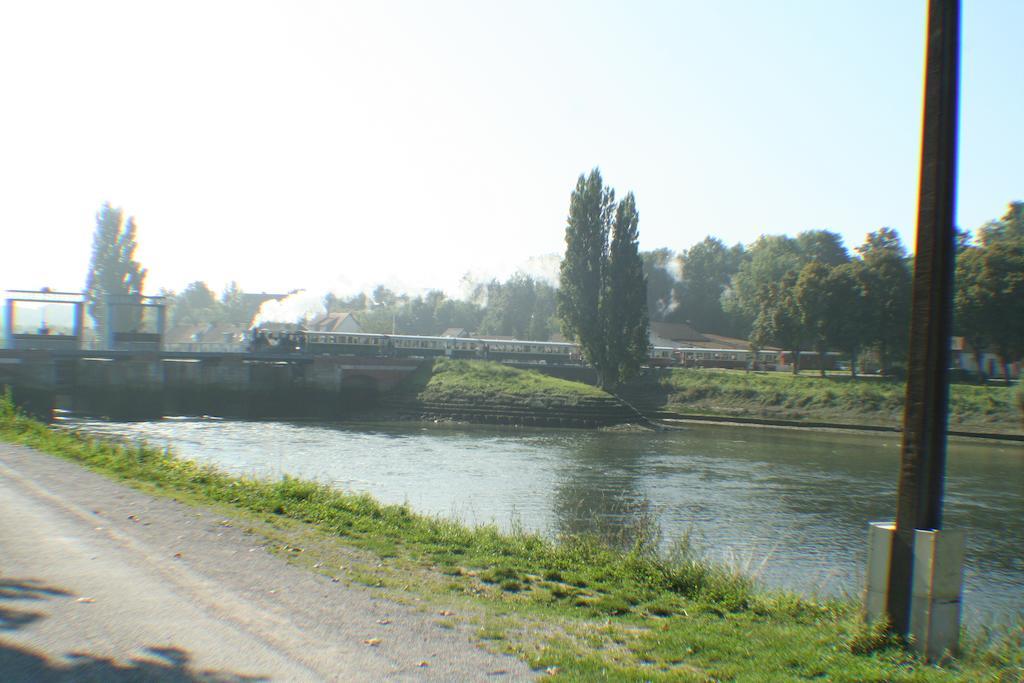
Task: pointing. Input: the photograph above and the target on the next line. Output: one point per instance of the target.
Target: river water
(789, 506)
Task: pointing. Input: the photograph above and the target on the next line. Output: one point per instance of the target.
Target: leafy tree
(973, 303)
(779, 320)
(521, 307)
(383, 319)
(814, 296)
(822, 246)
(509, 307)
(998, 284)
(196, 305)
(336, 304)
(849, 329)
(831, 300)
(888, 278)
(383, 295)
(708, 268)
(456, 313)
(1010, 229)
(114, 272)
(962, 239)
(1005, 267)
(422, 313)
(768, 260)
(594, 283)
(428, 314)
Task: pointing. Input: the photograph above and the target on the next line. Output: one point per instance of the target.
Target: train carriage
(410, 346)
(346, 344)
(715, 358)
(530, 352)
(662, 357)
(505, 350)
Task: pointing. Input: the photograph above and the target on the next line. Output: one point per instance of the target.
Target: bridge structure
(136, 385)
(123, 370)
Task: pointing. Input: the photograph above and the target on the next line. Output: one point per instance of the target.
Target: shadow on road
(24, 664)
(169, 664)
(23, 589)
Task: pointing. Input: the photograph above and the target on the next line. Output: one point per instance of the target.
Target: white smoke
(306, 304)
(544, 268)
(301, 305)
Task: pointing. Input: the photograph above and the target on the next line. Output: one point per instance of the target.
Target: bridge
(123, 370)
(133, 385)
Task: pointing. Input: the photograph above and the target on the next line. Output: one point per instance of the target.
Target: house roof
(719, 342)
(332, 322)
(455, 332)
(676, 331)
(655, 340)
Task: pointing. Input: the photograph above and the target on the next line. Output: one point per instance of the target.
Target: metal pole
(923, 456)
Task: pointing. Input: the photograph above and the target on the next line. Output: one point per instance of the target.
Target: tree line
(807, 292)
(810, 293)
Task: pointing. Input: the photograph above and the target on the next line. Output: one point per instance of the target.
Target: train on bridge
(504, 350)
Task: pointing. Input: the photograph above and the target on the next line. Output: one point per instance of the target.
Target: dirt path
(99, 581)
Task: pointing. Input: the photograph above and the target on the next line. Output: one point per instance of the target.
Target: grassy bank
(834, 398)
(575, 608)
(483, 380)
(490, 392)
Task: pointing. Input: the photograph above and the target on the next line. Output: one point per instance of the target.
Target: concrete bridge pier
(122, 389)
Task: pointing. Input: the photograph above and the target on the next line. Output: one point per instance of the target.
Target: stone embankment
(504, 410)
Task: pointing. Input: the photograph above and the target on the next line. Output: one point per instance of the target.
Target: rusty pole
(923, 455)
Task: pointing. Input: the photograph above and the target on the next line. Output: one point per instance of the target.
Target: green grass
(833, 398)
(575, 608)
(487, 380)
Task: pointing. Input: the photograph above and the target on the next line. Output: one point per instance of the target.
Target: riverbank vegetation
(574, 608)
(835, 398)
(449, 379)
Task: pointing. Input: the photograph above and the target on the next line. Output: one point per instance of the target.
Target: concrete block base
(937, 580)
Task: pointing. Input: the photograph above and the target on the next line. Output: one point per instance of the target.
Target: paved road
(101, 582)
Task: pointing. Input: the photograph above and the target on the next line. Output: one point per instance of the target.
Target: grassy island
(487, 380)
(573, 607)
(490, 392)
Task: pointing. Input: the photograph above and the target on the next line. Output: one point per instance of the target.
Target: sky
(338, 145)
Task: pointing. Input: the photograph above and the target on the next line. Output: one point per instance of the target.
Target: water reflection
(597, 491)
(790, 505)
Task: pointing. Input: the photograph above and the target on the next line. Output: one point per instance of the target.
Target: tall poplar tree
(602, 292)
(113, 271)
(625, 306)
